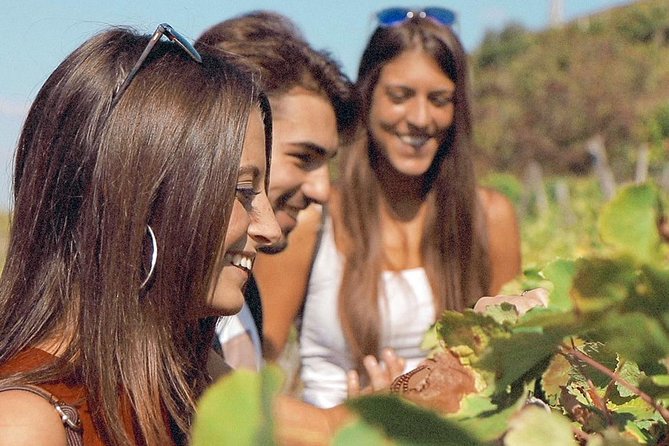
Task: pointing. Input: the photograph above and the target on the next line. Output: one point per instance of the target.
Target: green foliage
(237, 409)
(542, 96)
(408, 424)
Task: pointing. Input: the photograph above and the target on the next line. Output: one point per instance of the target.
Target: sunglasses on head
(163, 30)
(396, 16)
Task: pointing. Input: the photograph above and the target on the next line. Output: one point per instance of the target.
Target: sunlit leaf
(231, 410)
(484, 419)
(555, 377)
(469, 332)
(560, 273)
(630, 372)
(522, 355)
(534, 426)
(610, 437)
(629, 222)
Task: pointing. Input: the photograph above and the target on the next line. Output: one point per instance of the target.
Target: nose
(418, 113)
(264, 229)
(317, 185)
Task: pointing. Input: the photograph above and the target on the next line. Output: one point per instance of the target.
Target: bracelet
(401, 383)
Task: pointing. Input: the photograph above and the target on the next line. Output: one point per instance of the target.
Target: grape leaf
(534, 426)
(628, 223)
(409, 424)
(238, 399)
(602, 282)
(561, 274)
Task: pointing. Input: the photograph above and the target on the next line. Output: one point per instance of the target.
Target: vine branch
(572, 351)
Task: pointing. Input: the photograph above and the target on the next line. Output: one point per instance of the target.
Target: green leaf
(634, 336)
(235, 409)
(504, 313)
(468, 333)
(409, 424)
(610, 437)
(556, 376)
(483, 418)
(360, 433)
(561, 274)
(602, 282)
(628, 222)
(522, 355)
(630, 372)
(534, 426)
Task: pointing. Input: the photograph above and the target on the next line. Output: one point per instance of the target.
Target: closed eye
(441, 99)
(246, 195)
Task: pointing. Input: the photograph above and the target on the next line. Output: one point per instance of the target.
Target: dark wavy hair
(273, 45)
(454, 245)
(88, 180)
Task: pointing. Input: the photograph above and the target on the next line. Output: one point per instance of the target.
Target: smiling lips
(415, 141)
(242, 261)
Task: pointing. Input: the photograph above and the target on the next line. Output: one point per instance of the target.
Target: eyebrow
(250, 170)
(321, 151)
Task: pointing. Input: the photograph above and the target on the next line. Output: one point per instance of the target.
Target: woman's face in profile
(411, 111)
(252, 224)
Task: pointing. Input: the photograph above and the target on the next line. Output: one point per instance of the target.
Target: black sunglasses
(163, 30)
(396, 16)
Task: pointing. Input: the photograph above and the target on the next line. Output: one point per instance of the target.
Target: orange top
(71, 393)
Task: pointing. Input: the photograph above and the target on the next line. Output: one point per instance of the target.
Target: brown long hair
(454, 245)
(88, 180)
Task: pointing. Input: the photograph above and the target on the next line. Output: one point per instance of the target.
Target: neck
(403, 195)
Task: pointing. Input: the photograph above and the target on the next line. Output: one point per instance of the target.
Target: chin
(227, 305)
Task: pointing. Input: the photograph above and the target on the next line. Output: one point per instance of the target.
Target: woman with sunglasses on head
(407, 232)
(137, 215)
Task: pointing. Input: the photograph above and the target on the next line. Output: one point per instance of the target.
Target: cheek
(444, 117)
(237, 227)
(226, 297)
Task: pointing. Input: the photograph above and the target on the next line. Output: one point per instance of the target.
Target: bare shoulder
(28, 419)
(496, 205)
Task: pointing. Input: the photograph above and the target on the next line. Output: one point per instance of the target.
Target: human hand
(380, 374)
(438, 383)
(537, 297)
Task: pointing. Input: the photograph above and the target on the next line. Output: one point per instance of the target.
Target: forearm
(299, 423)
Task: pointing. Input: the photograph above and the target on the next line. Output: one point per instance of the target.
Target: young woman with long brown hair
(407, 232)
(140, 200)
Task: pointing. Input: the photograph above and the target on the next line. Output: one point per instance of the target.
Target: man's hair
(272, 45)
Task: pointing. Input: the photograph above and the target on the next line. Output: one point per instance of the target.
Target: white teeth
(414, 141)
(240, 260)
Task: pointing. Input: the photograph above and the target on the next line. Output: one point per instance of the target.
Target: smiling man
(313, 113)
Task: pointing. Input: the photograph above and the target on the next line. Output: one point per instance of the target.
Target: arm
(282, 280)
(503, 238)
(27, 419)
(299, 423)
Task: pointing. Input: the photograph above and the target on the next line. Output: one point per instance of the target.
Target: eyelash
(246, 194)
(401, 97)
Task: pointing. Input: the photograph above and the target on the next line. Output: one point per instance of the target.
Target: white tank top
(407, 311)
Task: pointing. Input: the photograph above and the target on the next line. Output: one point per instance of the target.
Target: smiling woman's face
(252, 224)
(411, 111)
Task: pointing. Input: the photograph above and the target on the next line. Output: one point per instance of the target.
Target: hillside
(544, 96)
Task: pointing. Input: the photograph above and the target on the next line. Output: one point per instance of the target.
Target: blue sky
(38, 35)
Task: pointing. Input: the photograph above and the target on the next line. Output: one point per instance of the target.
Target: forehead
(415, 67)
(303, 116)
(254, 141)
